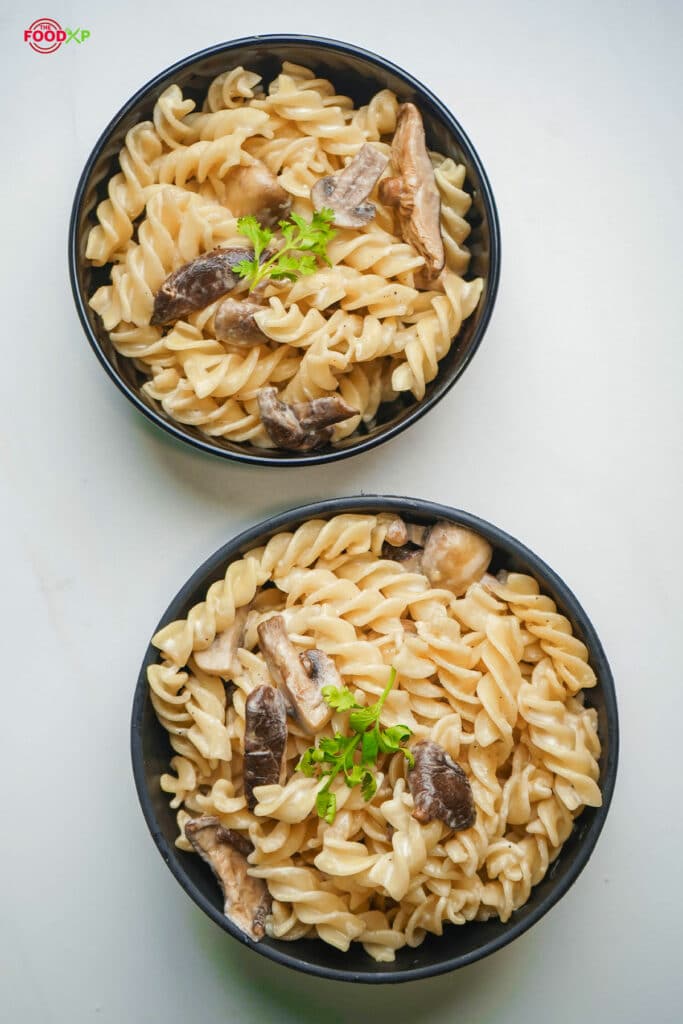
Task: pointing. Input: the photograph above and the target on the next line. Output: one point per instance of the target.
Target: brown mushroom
(302, 425)
(289, 672)
(403, 543)
(408, 555)
(255, 190)
(247, 901)
(234, 322)
(346, 192)
(219, 657)
(449, 555)
(265, 740)
(455, 557)
(321, 669)
(414, 191)
(397, 533)
(440, 788)
(197, 283)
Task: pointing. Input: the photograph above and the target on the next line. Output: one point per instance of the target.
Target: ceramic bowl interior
(360, 75)
(459, 945)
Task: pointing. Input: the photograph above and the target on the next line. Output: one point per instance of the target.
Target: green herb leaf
(370, 746)
(307, 264)
(390, 739)
(353, 776)
(286, 265)
(341, 699)
(278, 274)
(363, 718)
(246, 268)
(306, 765)
(332, 746)
(303, 244)
(368, 786)
(326, 805)
(259, 236)
(337, 754)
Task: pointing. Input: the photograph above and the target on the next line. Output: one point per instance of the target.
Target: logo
(46, 35)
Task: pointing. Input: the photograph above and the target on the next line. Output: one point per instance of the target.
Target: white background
(565, 431)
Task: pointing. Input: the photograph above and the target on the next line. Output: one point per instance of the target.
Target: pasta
(489, 676)
(366, 328)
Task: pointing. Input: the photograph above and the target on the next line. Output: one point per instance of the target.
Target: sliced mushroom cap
(234, 322)
(346, 192)
(414, 191)
(280, 420)
(397, 533)
(407, 555)
(321, 413)
(440, 788)
(449, 555)
(265, 740)
(321, 669)
(417, 534)
(219, 658)
(424, 281)
(255, 190)
(455, 557)
(303, 425)
(198, 283)
(403, 543)
(287, 669)
(247, 901)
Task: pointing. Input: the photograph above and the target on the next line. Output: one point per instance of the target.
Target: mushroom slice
(247, 900)
(403, 543)
(219, 658)
(397, 533)
(440, 788)
(287, 669)
(197, 283)
(265, 740)
(280, 421)
(321, 668)
(455, 557)
(255, 190)
(347, 191)
(303, 425)
(449, 555)
(414, 191)
(400, 533)
(407, 555)
(234, 322)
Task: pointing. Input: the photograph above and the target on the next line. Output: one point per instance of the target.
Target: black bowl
(358, 74)
(459, 945)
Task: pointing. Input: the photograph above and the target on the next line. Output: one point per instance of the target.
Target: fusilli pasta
(492, 676)
(367, 327)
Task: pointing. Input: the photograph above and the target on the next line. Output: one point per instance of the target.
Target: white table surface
(565, 431)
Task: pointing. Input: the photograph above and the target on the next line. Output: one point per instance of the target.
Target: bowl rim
(420, 409)
(372, 504)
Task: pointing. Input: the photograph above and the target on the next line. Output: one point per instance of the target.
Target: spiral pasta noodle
(488, 675)
(366, 327)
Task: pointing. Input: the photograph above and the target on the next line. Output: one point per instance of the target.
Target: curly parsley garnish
(304, 244)
(336, 754)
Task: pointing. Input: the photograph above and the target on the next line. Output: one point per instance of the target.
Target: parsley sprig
(304, 244)
(336, 754)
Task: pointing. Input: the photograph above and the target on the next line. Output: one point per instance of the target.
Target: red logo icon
(46, 35)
